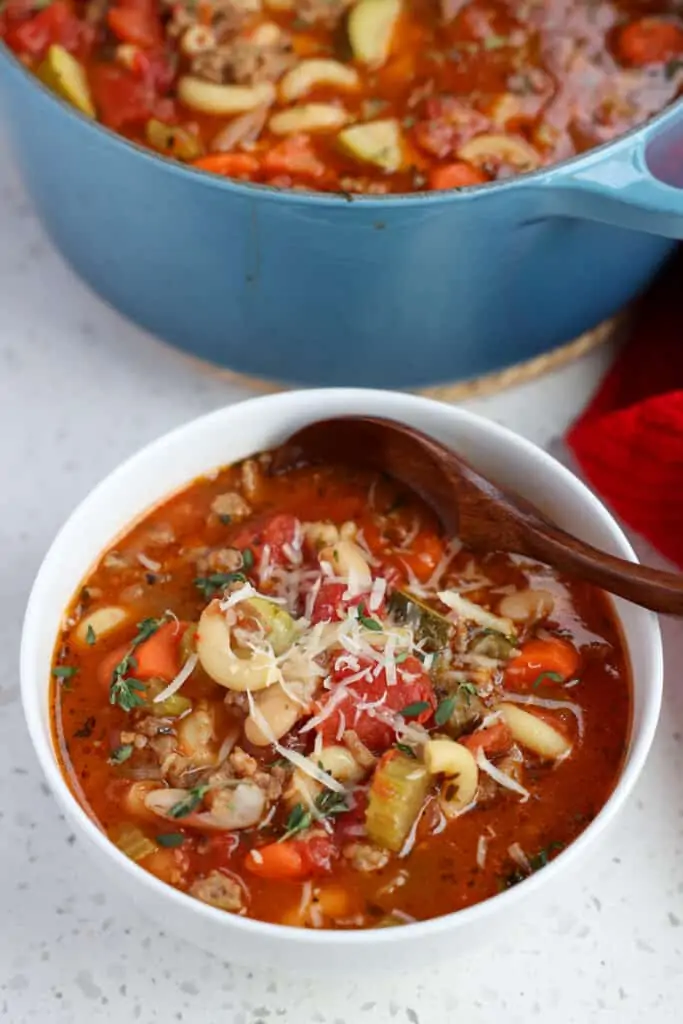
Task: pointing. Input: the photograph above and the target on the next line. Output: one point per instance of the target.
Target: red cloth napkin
(629, 441)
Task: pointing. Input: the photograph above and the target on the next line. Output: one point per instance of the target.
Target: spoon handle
(651, 588)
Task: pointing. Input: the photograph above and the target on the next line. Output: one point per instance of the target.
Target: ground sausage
(220, 891)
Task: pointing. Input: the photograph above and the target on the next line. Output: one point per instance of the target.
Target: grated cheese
(500, 777)
(257, 856)
(306, 766)
(482, 850)
(475, 613)
(184, 674)
(377, 592)
(518, 855)
(148, 563)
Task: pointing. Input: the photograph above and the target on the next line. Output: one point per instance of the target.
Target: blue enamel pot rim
(326, 199)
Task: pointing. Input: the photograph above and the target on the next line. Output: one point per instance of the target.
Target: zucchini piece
(172, 707)
(132, 841)
(371, 25)
(466, 712)
(172, 140)
(375, 142)
(277, 623)
(492, 644)
(398, 790)
(66, 76)
(429, 626)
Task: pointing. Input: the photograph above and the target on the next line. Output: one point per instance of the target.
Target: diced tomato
(295, 155)
(331, 606)
(319, 852)
(447, 125)
(139, 26)
(412, 686)
(278, 533)
(122, 98)
(230, 165)
(649, 41)
(425, 553)
(347, 823)
(55, 24)
(493, 739)
(456, 175)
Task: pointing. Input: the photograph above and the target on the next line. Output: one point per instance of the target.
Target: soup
(371, 96)
(293, 698)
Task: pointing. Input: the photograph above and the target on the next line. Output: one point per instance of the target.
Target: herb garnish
(171, 839)
(90, 636)
(225, 519)
(405, 749)
(366, 621)
(445, 710)
(190, 802)
(121, 753)
(327, 804)
(216, 582)
(64, 672)
(123, 690)
(415, 709)
(495, 42)
(555, 677)
(85, 731)
(248, 559)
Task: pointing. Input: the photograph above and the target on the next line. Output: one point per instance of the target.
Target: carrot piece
(294, 155)
(426, 553)
(137, 26)
(159, 657)
(537, 656)
(230, 165)
(493, 739)
(278, 861)
(456, 175)
(649, 41)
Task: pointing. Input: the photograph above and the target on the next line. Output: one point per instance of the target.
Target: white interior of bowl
(238, 431)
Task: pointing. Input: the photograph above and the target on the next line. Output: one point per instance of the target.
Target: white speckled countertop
(80, 388)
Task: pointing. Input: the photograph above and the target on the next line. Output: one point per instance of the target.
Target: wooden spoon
(473, 508)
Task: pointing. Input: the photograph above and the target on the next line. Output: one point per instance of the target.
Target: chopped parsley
(171, 839)
(216, 582)
(405, 749)
(85, 731)
(90, 636)
(64, 672)
(327, 804)
(366, 621)
(554, 677)
(495, 42)
(445, 710)
(415, 709)
(190, 802)
(121, 753)
(123, 690)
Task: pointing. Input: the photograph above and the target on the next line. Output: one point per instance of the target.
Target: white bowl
(228, 435)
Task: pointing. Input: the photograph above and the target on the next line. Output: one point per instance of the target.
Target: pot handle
(636, 184)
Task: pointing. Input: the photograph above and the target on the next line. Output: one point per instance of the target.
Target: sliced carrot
(456, 175)
(279, 861)
(230, 165)
(538, 656)
(159, 657)
(137, 26)
(649, 41)
(493, 739)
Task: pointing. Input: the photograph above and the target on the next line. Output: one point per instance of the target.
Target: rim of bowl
(33, 691)
(330, 198)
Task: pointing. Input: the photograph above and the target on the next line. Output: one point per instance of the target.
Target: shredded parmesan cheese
(475, 613)
(500, 777)
(520, 858)
(184, 674)
(148, 563)
(482, 850)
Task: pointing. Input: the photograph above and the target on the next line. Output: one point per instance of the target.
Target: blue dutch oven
(393, 291)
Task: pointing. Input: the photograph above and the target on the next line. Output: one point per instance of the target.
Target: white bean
(532, 732)
(100, 623)
(197, 735)
(280, 713)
